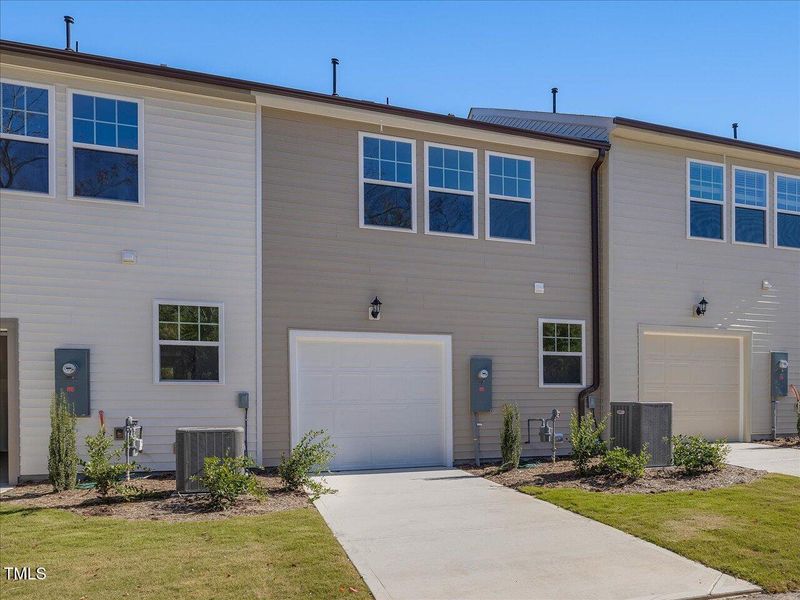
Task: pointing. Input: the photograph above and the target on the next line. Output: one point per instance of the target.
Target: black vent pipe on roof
(595, 200)
(735, 130)
(554, 91)
(334, 63)
(68, 21)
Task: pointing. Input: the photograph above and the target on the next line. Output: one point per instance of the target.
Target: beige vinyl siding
(657, 274)
(196, 240)
(320, 271)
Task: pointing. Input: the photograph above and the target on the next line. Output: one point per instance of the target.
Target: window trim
(51, 140)
(488, 197)
(689, 200)
(157, 342)
(473, 193)
(362, 180)
(781, 210)
(71, 145)
(542, 353)
(734, 206)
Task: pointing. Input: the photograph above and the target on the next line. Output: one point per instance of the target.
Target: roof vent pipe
(735, 130)
(68, 21)
(334, 63)
(554, 91)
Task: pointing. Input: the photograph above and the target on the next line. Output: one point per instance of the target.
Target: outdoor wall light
(375, 310)
(700, 309)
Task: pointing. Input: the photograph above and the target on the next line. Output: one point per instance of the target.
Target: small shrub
(695, 454)
(309, 457)
(101, 468)
(62, 461)
(226, 479)
(585, 439)
(621, 462)
(510, 437)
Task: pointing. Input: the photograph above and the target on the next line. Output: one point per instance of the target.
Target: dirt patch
(159, 501)
(690, 525)
(786, 442)
(657, 479)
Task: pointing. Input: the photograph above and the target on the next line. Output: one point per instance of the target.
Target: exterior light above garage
(375, 310)
(700, 309)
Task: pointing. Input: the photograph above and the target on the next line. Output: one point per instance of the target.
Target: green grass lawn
(750, 531)
(288, 554)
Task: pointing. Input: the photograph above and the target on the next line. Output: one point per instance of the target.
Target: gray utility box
(779, 374)
(634, 424)
(194, 444)
(72, 378)
(480, 384)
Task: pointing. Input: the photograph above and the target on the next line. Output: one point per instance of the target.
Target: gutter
(8, 46)
(595, 198)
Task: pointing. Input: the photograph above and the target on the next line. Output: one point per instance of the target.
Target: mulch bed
(786, 442)
(159, 503)
(656, 479)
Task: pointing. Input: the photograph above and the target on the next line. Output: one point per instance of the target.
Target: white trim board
(443, 341)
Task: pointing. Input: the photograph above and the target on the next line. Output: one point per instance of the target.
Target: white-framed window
(451, 182)
(510, 202)
(387, 189)
(27, 137)
(750, 206)
(706, 215)
(104, 153)
(188, 342)
(787, 211)
(562, 353)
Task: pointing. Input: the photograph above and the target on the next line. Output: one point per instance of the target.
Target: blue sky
(694, 65)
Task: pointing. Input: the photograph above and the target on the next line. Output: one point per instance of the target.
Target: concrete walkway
(766, 458)
(445, 534)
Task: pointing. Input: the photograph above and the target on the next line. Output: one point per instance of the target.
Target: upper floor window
(787, 213)
(562, 357)
(386, 183)
(706, 197)
(450, 191)
(750, 206)
(510, 209)
(188, 340)
(105, 147)
(25, 137)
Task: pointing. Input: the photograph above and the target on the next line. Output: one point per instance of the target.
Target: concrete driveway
(446, 534)
(765, 458)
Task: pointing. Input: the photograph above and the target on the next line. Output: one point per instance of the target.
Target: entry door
(383, 398)
(700, 375)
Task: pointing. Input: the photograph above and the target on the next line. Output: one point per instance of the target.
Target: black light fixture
(700, 309)
(375, 309)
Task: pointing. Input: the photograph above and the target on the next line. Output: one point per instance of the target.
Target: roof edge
(704, 137)
(254, 86)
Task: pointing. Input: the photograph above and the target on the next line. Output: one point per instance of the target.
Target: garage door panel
(381, 400)
(317, 388)
(700, 378)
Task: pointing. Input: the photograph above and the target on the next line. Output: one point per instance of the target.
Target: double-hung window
(510, 207)
(386, 182)
(706, 200)
(105, 148)
(750, 206)
(26, 137)
(787, 211)
(450, 197)
(562, 360)
(188, 341)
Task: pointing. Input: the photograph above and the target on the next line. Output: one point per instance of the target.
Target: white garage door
(700, 375)
(385, 399)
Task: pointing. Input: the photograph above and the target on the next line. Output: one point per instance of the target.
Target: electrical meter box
(480, 384)
(72, 378)
(779, 363)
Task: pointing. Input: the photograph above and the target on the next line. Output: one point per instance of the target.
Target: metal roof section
(583, 127)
